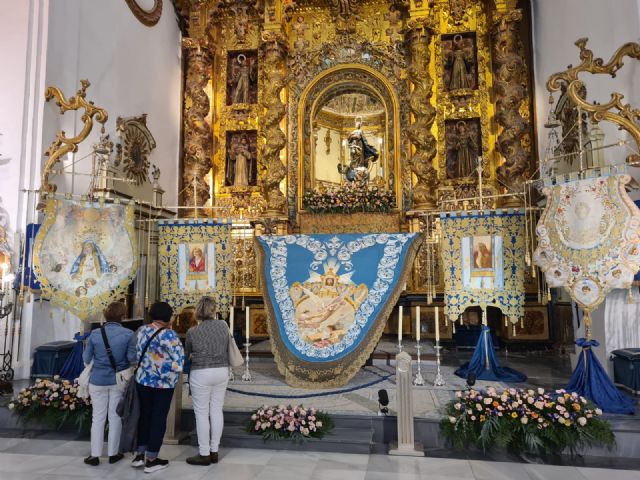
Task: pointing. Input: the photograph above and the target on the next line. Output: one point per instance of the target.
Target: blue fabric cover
(591, 381)
(73, 366)
(485, 364)
(48, 359)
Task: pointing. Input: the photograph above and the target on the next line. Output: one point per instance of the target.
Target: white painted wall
(133, 69)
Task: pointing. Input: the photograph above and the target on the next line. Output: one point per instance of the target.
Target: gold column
(197, 131)
(511, 91)
(418, 35)
(273, 50)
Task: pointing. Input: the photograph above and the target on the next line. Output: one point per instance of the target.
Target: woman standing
(103, 389)
(161, 358)
(208, 346)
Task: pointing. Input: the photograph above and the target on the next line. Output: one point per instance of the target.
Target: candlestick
(439, 380)
(437, 325)
(418, 323)
(419, 379)
(400, 328)
(246, 376)
(247, 321)
(232, 316)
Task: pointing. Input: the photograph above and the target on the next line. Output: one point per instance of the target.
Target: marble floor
(34, 459)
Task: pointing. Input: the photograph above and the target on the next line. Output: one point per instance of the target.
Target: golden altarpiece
(274, 88)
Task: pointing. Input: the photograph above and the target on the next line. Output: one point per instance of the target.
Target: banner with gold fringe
(328, 298)
(195, 258)
(85, 255)
(483, 258)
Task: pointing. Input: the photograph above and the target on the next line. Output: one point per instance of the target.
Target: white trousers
(104, 400)
(208, 386)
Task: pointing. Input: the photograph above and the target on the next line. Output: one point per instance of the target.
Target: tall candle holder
(419, 379)
(246, 376)
(6, 370)
(439, 380)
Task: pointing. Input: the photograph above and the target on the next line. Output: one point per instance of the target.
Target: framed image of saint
(242, 77)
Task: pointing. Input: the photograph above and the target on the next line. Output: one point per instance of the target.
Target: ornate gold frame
(395, 106)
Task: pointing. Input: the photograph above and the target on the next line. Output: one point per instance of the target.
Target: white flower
(12, 406)
(318, 424)
(457, 406)
(452, 419)
(598, 411)
(254, 417)
(541, 391)
(524, 420)
(582, 421)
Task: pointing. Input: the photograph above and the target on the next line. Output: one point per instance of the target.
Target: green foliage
(528, 421)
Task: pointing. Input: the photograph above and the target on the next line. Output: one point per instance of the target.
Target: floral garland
(287, 422)
(525, 421)
(350, 198)
(53, 402)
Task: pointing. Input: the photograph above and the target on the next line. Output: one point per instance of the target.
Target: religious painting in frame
(259, 325)
(195, 259)
(241, 160)
(534, 326)
(463, 140)
(85, 255)
(242, 77)
(460, 62)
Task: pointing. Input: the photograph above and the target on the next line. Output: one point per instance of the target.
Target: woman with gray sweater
(207, 345)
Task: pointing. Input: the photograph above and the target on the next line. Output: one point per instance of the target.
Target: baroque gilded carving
(147, 17)
(136, 144)
(510, 86)
(419, 34)
(273, 49)
(197, 131)
(613, 111)
(63, 144)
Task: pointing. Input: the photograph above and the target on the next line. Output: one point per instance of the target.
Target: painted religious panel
(242, 77)
(459, 54)
(328, 298)
(589, 237)
(464, 145)
(241, 159)
(195, 259)
(482, 263)
(85, 254)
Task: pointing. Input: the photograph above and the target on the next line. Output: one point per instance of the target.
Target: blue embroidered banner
(328, 298)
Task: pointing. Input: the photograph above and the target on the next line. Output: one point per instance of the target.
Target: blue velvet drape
(74, 365)
(485, 364)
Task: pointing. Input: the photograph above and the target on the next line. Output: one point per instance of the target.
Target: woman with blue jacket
(103, 389)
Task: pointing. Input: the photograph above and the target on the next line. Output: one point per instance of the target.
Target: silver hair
(206, 309)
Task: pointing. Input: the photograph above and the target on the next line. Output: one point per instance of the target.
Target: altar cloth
(328, 298)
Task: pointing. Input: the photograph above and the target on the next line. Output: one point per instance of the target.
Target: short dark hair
(115, 312)
(161, 311)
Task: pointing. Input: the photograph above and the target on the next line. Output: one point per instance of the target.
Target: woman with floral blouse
(159, 373)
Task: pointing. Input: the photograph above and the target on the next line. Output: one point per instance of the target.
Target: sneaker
(154, 465)
(214, 457)
(204, 460)
(115, 458)
(138, 461)
(93, 461)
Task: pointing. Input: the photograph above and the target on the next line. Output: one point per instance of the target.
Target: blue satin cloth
(74, 365)
(590, 380)
(485, 364)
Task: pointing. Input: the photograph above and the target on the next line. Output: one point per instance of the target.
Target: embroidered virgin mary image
(90, 262)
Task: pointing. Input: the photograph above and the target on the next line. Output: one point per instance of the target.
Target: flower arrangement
(54, 402)
(521, 420)
(351, 197)
(287, 422)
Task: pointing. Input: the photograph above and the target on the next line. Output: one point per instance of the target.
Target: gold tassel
(453, 324)
(506, 321)
(514, 330)
(630, 296)
(522, 323)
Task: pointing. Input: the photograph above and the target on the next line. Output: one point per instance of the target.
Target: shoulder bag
(122, 376)
(235, 357)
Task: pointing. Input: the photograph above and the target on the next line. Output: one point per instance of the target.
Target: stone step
(342, 440)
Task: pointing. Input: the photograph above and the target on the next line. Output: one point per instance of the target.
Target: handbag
(83, 381)
(123, 376)
(235, 357)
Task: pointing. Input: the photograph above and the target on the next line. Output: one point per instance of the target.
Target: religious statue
(242, 77)
(462, 162)
(459, 65)
(360, 154)
(240, 162)
(345, 7)
(90, 260)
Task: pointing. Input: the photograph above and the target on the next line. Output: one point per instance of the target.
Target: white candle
(418, 323)
(231, 315)
(400, 324)
(247, 321)
(437, 325)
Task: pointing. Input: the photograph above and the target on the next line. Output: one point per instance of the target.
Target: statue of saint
(243, 75)
(90, 261)
(459, 65)
(360, 154)
(239, 168)
(465, 152)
